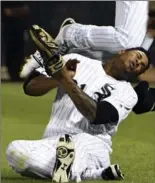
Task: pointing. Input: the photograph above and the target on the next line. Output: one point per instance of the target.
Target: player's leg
(66, 22)
(90, 153)
(46, 158)
(63, 47)
(33, 157)
(92, 159)
(112, 172)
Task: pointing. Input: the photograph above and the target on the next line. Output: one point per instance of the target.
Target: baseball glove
(49, 50)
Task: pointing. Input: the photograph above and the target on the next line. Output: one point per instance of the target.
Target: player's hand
(68, 71)
(53, 61)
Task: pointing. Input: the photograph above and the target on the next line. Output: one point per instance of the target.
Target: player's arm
(112, 109)
(146, 98)
(129, 30)
(38, 84)
(96, 112)
(85, 104)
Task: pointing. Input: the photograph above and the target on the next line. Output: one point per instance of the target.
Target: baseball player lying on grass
(92, 100)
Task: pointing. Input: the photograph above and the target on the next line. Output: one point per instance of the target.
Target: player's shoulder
(127, 85)
(128, 89)
(72, 56)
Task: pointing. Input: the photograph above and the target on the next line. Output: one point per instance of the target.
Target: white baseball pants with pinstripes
(39, 156)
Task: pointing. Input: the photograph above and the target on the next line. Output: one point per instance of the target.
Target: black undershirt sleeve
(146, 98)
(106, 113)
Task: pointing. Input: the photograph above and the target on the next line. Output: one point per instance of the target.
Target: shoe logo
(64, 167)
(62, 152)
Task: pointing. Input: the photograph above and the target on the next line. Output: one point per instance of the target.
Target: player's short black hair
(152, 13)
(144, 51)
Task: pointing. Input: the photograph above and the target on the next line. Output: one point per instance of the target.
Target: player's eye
(139, 56)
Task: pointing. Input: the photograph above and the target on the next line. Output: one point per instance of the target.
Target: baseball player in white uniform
(91, 101)
(101, 42)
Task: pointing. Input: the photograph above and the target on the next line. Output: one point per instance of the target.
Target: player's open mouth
(132, 65)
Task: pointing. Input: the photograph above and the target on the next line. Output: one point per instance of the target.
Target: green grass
(25, 117)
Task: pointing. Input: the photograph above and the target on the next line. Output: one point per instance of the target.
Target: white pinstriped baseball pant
(38, 156)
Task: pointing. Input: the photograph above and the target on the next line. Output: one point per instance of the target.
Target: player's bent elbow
(31, 90)
(37, 84)
(30, 84)
(28, 88)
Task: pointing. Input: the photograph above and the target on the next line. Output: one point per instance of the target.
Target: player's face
(134, 61)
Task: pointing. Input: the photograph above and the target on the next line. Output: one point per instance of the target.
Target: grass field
(25, 117)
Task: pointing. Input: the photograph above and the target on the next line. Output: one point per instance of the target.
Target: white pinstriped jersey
(91, 77)
(100, 42)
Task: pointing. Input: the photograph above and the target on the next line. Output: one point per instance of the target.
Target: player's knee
(42, 167)
(16, 158)
(10, 149)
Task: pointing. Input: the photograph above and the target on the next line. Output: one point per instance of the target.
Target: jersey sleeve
(123, 98)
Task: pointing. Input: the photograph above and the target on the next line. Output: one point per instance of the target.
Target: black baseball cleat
(113, 172)
(64, 159)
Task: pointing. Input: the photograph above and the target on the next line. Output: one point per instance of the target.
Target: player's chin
(129, 70)
(130, 76)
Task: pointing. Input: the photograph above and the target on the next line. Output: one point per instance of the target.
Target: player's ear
(121, 52)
